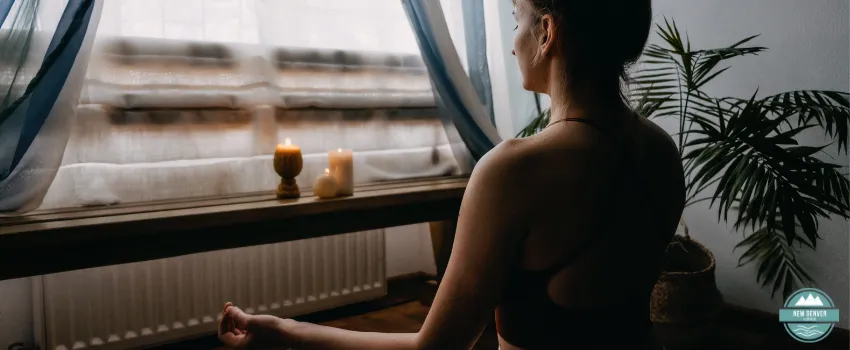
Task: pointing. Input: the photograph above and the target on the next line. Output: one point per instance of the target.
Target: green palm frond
(762, 175)
(776, 260)
(827, 109)
(706, 61)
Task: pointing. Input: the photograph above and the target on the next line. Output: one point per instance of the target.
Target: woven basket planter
(687, 291)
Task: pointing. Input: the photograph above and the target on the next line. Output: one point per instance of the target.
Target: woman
(560, 234)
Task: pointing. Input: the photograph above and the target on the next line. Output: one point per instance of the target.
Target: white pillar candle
(325, 186)
(341, 164)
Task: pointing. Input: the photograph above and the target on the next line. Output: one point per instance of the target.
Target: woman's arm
(308, 336)
(492, 222)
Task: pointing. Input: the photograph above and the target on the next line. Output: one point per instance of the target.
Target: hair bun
(635, 24)
(607, 34)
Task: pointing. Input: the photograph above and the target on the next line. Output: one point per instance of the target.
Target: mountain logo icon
(809, 301)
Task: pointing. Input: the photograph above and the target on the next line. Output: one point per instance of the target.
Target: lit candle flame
(287, 142)
(327, 171)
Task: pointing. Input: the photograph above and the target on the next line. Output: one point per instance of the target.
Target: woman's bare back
(622, 180)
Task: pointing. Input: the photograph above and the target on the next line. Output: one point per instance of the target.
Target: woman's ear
(547, 37)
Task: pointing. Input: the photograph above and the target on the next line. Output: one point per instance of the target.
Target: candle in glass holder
(341, 165)
(288, 164)
(325, 185)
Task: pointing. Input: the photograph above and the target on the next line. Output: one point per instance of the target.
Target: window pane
(189, 98)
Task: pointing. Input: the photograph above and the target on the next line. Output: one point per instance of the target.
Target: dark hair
(600, 39)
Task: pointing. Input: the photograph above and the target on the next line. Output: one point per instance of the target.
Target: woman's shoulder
(534, 159)
(506, 158)
(513, 155)
(511, 163)
(658, 148)
(657, 135)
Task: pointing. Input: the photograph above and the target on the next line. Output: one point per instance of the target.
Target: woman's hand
(242, 331)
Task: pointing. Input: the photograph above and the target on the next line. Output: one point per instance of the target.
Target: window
(188, 99)
(327, 24)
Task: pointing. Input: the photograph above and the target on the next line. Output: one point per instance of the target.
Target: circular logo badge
(809, 315)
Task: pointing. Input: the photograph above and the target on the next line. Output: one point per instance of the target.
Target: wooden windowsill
(63, 240)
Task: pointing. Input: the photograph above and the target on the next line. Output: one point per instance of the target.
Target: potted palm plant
(741, 155)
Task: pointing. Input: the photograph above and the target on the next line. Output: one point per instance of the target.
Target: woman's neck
(588, 105)
(584, 96)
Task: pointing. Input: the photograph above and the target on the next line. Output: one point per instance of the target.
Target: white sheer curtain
(188, 98)
(359, 25)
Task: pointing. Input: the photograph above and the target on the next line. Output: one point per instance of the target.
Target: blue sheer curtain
(476, 53)
(5, 7)
(465, 116)
(45, 50)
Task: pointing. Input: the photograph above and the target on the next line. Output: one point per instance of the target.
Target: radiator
(154, 302)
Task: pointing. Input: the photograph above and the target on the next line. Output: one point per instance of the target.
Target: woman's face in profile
(526, 48)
